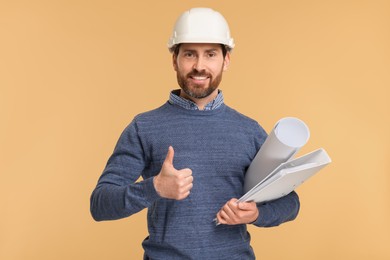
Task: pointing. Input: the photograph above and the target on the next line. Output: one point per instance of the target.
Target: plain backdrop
(73, 74)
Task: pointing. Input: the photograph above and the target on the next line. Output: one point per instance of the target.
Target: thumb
(169, 158)
(246, 205)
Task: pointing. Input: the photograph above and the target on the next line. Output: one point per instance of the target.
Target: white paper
(286, 138)
(287, 177)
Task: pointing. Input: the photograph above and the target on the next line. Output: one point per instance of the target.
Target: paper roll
(287, 137)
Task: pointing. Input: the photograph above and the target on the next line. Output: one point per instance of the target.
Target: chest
(212, 146)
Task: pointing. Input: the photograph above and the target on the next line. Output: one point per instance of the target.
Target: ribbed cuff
(265, 214)
(150, 193)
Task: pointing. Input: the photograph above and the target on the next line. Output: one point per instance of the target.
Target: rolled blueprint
(286, 138)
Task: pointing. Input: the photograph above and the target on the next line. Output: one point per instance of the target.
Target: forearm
(118, 194)
(110, 201)
(276, 212)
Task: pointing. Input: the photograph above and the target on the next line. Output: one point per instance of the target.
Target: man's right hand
(171, 183)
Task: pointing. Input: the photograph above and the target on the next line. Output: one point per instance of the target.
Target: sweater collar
(175, 99)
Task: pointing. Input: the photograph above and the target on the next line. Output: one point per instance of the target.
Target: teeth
(200, 78)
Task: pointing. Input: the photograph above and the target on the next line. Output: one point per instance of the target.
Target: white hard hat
(201, 25)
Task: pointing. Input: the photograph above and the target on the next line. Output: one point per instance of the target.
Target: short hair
(177, 48)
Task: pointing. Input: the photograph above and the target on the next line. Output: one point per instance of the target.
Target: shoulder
(247, 123)
(147, 117)
(157, 112)
(156, 115)
(235, 115)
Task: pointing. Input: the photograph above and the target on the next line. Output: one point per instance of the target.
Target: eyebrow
(208, 50)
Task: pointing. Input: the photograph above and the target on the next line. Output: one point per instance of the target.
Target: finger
(185, 173)
(220, 220)
(186, 194)
(184, 186)
(184, 183)
(229, 210)
(188, 180)
(247, 206)
(225, 216)
(233, 206)
(189, 186)
(233, 200)
(169, 157)
(182, 196)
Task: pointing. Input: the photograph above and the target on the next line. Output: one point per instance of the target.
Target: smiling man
(192, 153)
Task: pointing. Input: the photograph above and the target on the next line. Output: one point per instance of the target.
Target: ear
(174, 62)
(226, 61)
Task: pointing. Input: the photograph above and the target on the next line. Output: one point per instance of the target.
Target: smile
(200, 78)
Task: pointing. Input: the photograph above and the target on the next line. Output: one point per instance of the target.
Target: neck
(200, 102)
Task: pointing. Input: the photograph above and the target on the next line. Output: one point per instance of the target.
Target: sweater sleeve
(118, 194)
(276, 212)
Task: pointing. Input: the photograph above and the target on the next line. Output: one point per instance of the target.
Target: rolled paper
(286, 138)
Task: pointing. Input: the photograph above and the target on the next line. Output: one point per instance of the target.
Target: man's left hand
(233, 213)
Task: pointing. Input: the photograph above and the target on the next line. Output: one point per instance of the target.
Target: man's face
(199, 68)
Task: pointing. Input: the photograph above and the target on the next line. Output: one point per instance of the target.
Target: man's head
(201, 46)
(199, 68)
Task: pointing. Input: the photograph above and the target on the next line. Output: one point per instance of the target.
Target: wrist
(155, 184)
(256, 217)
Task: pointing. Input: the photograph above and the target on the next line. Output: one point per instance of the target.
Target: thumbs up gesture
(171, 183)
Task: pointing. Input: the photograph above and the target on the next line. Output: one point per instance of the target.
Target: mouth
(199, 78)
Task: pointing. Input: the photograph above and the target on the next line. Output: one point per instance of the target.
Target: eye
(188, 54)
(212, 54)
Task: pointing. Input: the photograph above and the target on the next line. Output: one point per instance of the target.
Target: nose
(199, 64)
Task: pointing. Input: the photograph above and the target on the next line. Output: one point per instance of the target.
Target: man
(192, 153)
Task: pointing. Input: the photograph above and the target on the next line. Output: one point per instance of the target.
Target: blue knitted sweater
(218, 146)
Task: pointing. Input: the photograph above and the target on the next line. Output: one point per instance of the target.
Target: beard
(198, 90)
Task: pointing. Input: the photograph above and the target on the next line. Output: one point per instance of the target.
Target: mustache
(196, 73)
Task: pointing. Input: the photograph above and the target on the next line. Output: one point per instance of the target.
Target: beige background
(73, 74)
